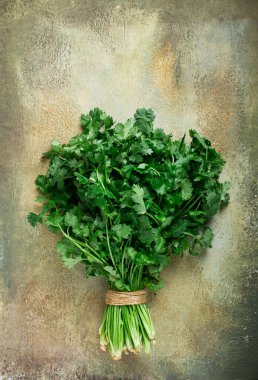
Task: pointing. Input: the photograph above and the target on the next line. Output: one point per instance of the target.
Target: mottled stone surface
(195, 64)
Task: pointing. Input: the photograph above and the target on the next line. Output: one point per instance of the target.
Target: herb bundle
(125, 197)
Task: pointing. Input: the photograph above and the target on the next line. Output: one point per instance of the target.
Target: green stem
(127, 328)
(140, 275)
(133, 279)
(188, 234)
(131, 275)
(122, 267)
(104, 188)
(152, 217)
(191, 205)
(80, 242)
(84, 250)
(105, 170)
(100, 180)
(85, 244)
(96, 259)
(123, 257)
(108, 243)
(158, 173)
(184, 210)
(118, 170)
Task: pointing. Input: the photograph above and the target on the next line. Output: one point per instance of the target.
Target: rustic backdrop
(195, 64)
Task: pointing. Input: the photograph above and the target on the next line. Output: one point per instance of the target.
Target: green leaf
(69, 253)
(198, 216)
(81, 179)
(144, 120)
(159, 243)
(159, 134)
(187, 189)
(179, 246)
(85, 120)
(198, 140)
(146, 233)
(143, 259)
(42, 183)
(138, 150)
(71, 219)
(195, 213)
(56, 146)
(112, 272)
(225, 187)
(54, 219)
(130, 252)
(70, 262)
(177, 229)
(156, 145)
(162, 189)
(212, 202)
(41, 198)
(206, 239)
(81, 230)
(144, 114)
(33, 219)
(137, 198)
(123, 131)
(153, 284)
(122, 231)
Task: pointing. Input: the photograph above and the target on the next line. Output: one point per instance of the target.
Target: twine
(126, 298)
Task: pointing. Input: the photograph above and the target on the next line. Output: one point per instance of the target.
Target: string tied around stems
(126, 298)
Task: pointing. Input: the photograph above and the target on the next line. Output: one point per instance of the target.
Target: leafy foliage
(125, 197)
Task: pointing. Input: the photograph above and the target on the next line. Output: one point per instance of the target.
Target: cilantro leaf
(137, 198)
(187, 189)
(33, 218)
(122, 231)
(69, 254)
(123, 131)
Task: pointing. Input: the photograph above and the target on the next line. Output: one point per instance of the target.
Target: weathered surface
(195, 64)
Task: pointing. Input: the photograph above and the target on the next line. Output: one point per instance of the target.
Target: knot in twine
(126, 298)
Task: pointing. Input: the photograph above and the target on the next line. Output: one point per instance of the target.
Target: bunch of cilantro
(124, 198)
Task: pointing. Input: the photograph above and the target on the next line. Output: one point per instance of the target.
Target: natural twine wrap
(126, 298)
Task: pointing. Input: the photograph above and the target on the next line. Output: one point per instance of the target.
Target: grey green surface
(195, 64)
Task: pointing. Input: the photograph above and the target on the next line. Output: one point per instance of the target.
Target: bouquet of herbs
(124, 197)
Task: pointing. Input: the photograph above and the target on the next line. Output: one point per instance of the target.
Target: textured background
(195, 64)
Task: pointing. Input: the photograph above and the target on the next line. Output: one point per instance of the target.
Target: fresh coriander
(124, 198)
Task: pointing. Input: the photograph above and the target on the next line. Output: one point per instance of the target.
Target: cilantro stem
(140, 275)
(122, 267)
(118, 170)
(105, 170)
(183, 211)
(104, 188)
(130, 274)
(108, 243)
(158, 173)
(188, 234)
(133, 273)
(123, 257)
(77, 244)
(100, 180)
(83, 243)
(152, 217)
(181, 143)
(157, 205)
(194, 202)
